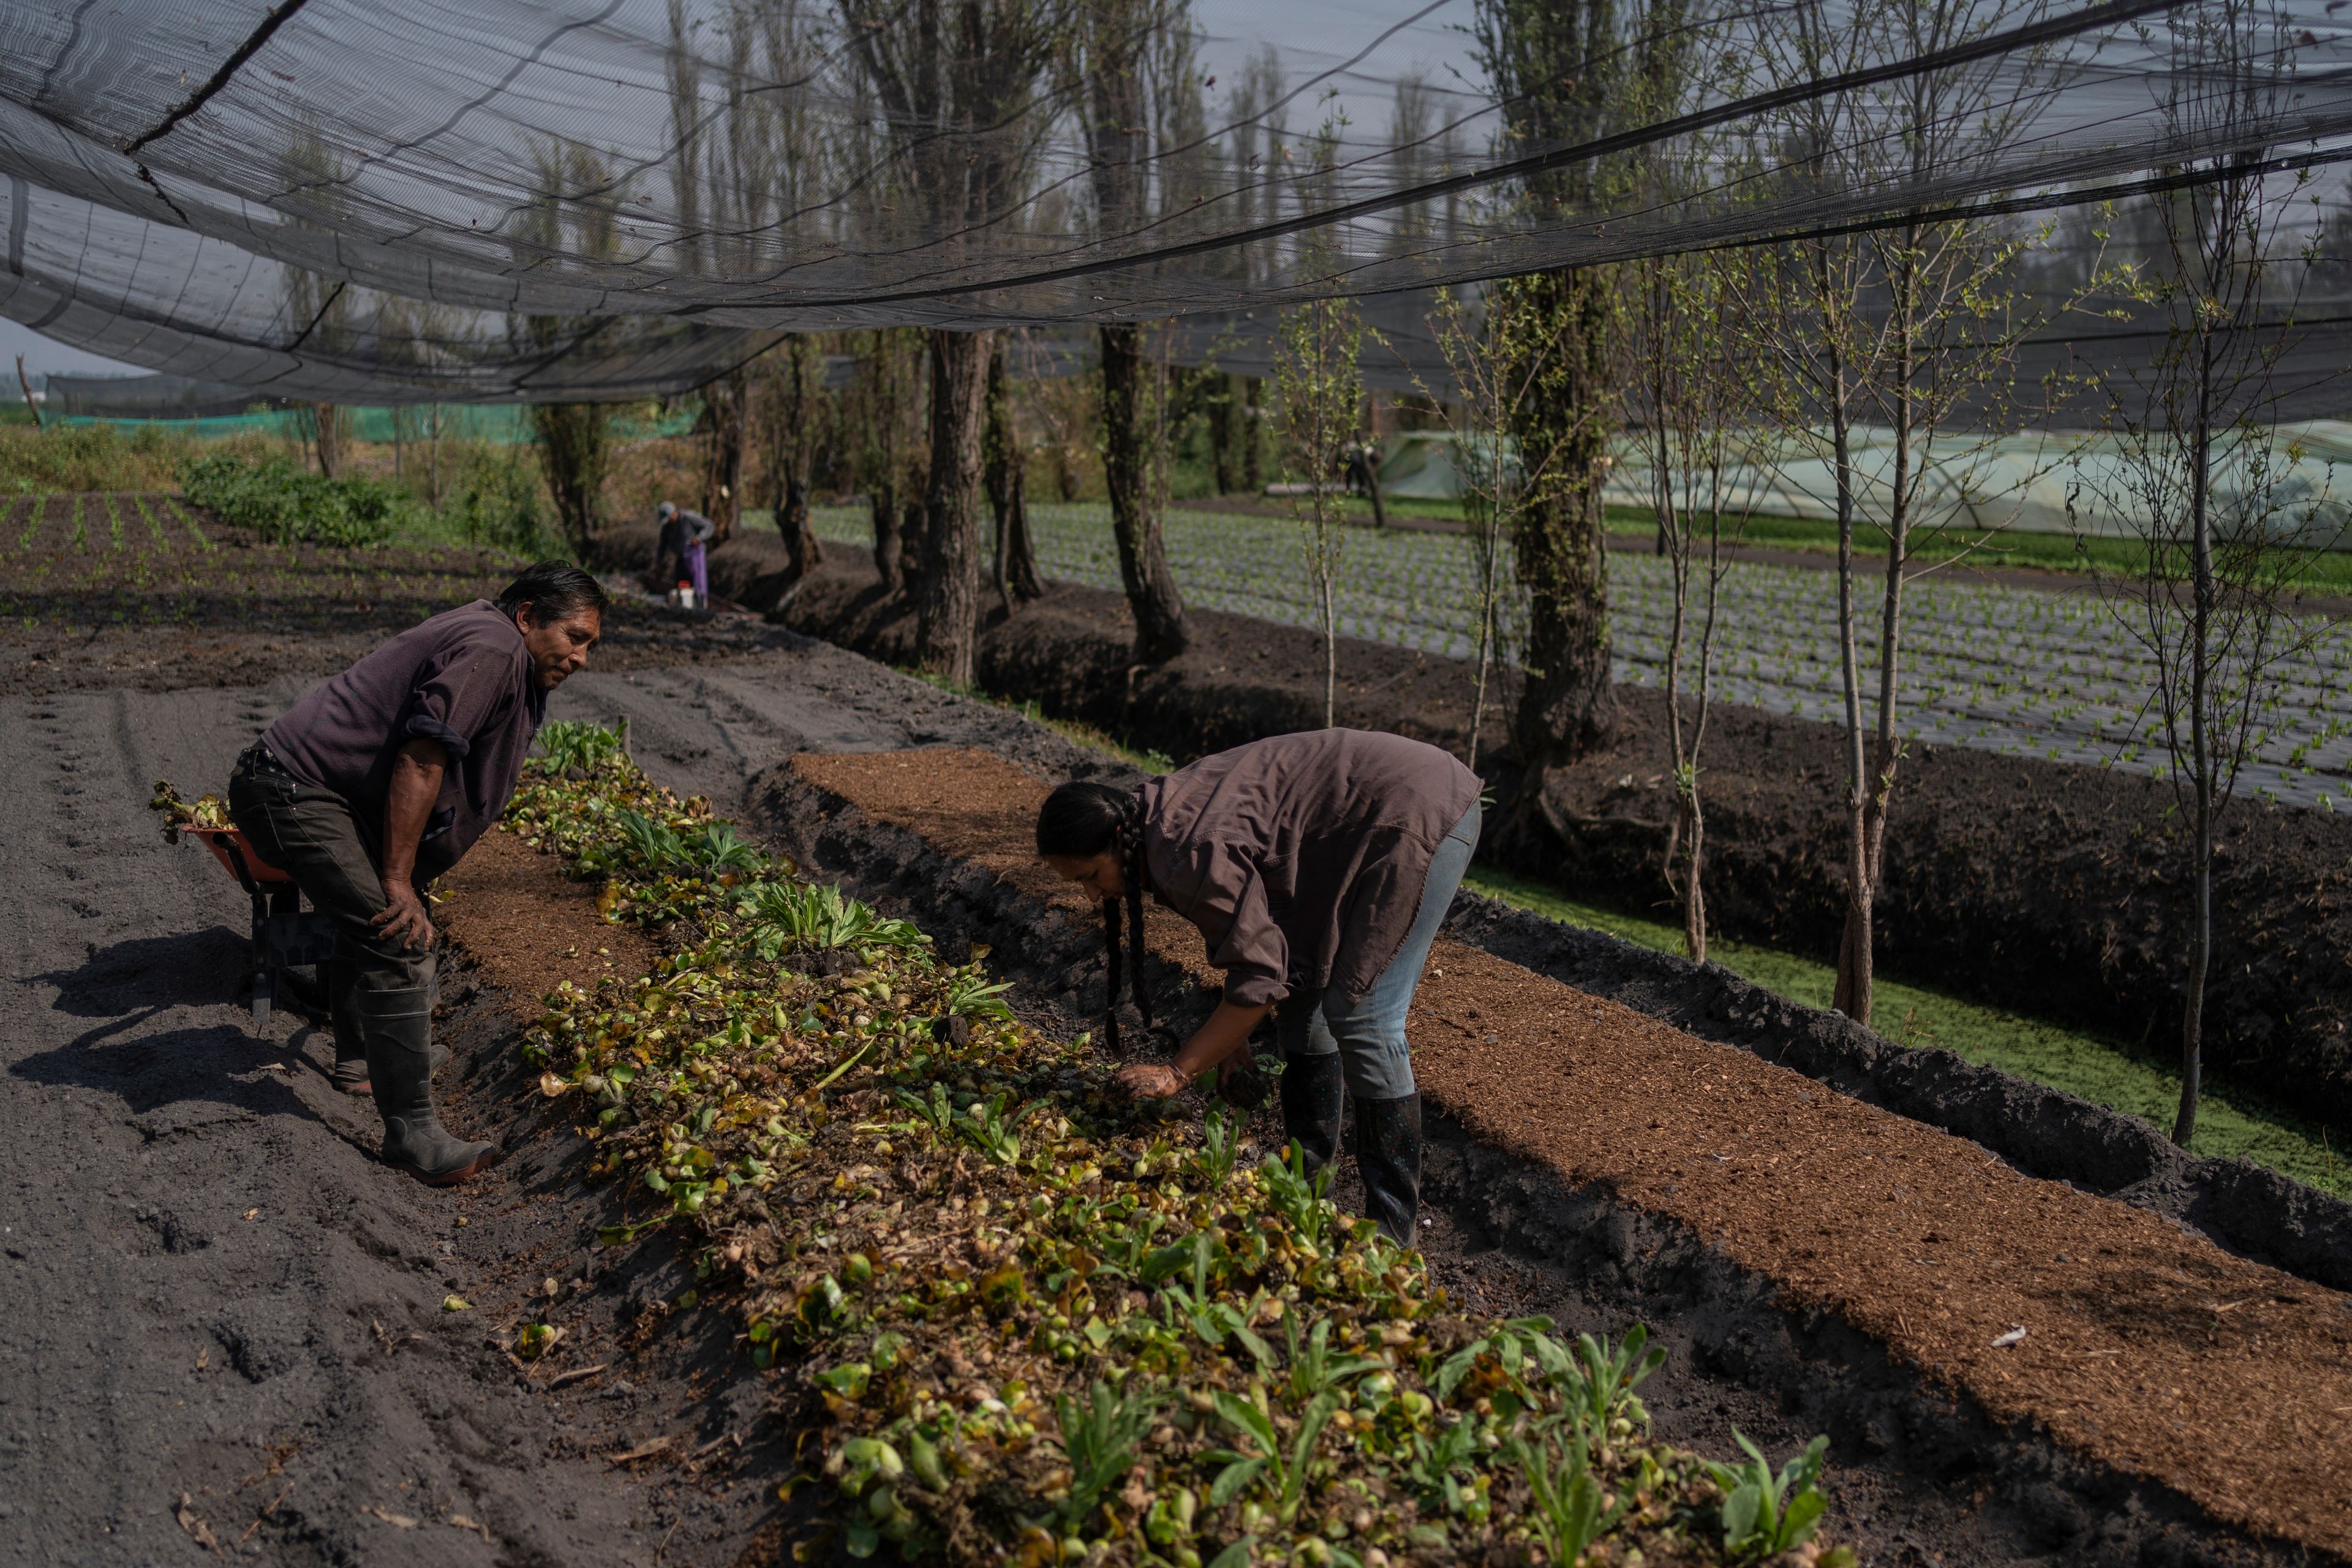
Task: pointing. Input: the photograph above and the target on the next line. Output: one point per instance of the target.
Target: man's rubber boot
(350, 1073)
(1313, 1094)
(1388, 1157)
(399, 1031)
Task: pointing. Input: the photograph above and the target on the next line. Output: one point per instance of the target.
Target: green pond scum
(2230, 1120)
(1023, 1321)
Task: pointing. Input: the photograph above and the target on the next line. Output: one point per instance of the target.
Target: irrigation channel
(233, 1326)
(2006, 669)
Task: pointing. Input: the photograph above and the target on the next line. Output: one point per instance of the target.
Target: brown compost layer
(2049, 887)
(2149, 1351)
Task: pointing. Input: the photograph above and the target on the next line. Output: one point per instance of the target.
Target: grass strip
(2231, 1121)
(1024, 1320)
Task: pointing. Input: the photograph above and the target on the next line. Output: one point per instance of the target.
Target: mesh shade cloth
(500, 200)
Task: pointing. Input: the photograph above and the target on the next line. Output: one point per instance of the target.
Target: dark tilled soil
(1604, 1168)
(104, 592)
(2044, 886)
(213, 1291)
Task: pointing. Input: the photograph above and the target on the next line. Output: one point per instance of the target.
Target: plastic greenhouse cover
(450, 201)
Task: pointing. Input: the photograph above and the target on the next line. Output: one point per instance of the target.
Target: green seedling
(1099, 1438)
(1314, 1370)
(1282, 1468)
(1599, 1381)
(988, 1129)
(1569, 1514)
(1438, 1465)
(1215, 1321)
(1767, 1512)
(1517, 1347)
(936, 1112)
(1298, 1197)
(973, 997)
(1221, 1140)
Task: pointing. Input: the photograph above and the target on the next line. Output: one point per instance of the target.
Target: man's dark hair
(555, 590)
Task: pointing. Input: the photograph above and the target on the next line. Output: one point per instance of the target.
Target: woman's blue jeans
(1368, 1032)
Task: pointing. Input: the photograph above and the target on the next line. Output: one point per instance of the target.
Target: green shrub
(500, 500)
(286, 505)
(69, 458)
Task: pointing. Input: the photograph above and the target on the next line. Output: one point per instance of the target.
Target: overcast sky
(42, 356)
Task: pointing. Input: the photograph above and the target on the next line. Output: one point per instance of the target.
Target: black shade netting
(331, 200)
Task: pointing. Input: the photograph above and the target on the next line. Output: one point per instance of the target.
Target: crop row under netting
(449, 199)
(2040, 673)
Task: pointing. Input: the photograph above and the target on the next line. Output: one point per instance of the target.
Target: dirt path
(214, 1290)
(2147, 1349)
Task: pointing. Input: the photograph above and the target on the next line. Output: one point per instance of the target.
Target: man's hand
(1151, 1081)
(404, 919)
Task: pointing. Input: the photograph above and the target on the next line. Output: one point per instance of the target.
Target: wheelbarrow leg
(265, 976)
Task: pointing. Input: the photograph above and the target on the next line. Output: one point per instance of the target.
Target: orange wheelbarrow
(286, 936)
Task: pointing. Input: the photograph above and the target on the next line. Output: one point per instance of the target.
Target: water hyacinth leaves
(1765, 1511)
(789, 916)
(573, 744)
(904, 1206)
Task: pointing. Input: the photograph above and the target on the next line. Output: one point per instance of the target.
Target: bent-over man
(374, 784)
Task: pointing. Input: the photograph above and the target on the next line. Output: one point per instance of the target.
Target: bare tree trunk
(1852, 995)
(802, 551)
(326, 438)
(914, 549)
(1567, 705)
(2203, 600)
(574, 453)
(1007, 480)
(949, 623)
(1151, 592)
(1227, 419)
(725, 403)
(1253, 436)
(884, 504)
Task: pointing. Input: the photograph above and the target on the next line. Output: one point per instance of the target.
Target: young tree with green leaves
(1320, 388)
(2197, 472)
(1911, 327)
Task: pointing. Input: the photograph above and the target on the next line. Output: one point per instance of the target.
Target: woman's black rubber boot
(350, 1073)
(398, 1027)
(1314, 1093)
(1388, 1157)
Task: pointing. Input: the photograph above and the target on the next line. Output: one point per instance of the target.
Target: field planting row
(104, 559)
(1021, 1314)
(2013, 670)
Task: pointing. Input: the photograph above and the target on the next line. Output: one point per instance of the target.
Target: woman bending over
(1318, 867)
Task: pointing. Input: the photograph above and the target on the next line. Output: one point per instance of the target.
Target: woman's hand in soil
(405, 920)
(1151, 1081)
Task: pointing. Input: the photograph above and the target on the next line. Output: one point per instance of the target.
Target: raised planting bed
(2044, 886)
(1864, 1269)
(1009, 1317)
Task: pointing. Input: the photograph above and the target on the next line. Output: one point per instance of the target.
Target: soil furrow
(2150, 1353)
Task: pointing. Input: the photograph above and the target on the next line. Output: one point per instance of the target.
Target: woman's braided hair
(1082, 819)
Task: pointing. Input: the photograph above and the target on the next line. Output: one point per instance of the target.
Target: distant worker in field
(1318, 867)
(681, 553)
(375, 784)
